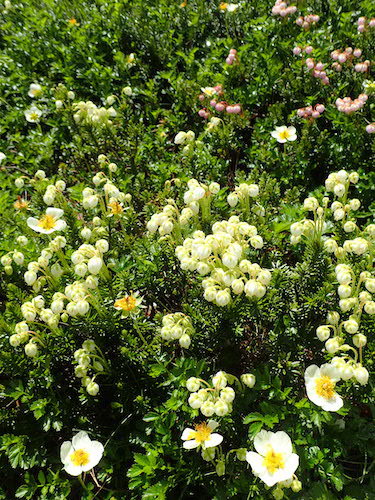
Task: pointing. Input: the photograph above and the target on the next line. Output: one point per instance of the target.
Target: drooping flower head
(320, 386)
(49, 222)
(202, 435)
(129, 304)
(283, 134)
(35, 90)
(275, 460)
(81, 454)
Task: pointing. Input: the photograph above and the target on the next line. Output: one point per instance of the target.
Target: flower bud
(207, 408)
(92, 388)
(31, 349)
(248, 379)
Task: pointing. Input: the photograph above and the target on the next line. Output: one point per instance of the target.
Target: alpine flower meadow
(187, 245)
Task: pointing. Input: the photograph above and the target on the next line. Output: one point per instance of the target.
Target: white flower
(320, 386)
(81, 454)
(33, 114)
(201, 435)
(283, 134)
(275, 460)
(48, 223)
(2, 157)
(35, 90)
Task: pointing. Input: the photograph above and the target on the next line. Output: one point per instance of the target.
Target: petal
(292, 138)
(95, 452)
(333, 404)
(269, 479)
(281, 141)
(312, 372)
(65, 450)
(261, 442)
(292, 130)
(291, 465)
(32, 222)
(330, 371)
(189, 445)
(275, 134)
(282, 128)
(256, 462)
(281, 443)
(212, 424)
(187, 433)
(55, 212)
(81, 440)
(214, 440)
(73, 470)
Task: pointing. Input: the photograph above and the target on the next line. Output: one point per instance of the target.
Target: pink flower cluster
(305, 22)
(348, 105)
(232, 57)
(282, 9)
(317, 70)
(310, 112)
(370, 129)
(234, 109)
(298, 50)
(364, 24)
(348, 55)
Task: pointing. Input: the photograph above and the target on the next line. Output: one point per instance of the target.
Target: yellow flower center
(325, 387)
(128, 303)
(21, 204)
(47, 222)
(273, 461)
(285, 134)
(34, 116)
(202, 432)
(116, 208)
(79, 457)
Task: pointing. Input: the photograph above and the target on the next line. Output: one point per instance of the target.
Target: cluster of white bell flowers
(185, 139)
(54, 192)
(197, 201)
(342, 209)
(177, 326)
(106, 196)
(243, 196)
(88, 259)
(221, 255)
(13, 257)
(355, 298)
(48, 267)
(88, 113)
(24, 335)
(216, 398)
(90, 363)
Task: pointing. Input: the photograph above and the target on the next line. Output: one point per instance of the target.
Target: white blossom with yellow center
(81, 454)
(283, 134)
(33, 114)
(49, 222)
(202, 435)
(35, 90)
(274, 460)
(320, 386)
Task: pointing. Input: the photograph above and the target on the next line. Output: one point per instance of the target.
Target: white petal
(187, 433)
(281, 141)
(330, 371)
(291, 465)
(73, 470)
(261, 442)
(292, 130)
(281, 443)
(214, 440)
(65, 450)
(32, 222)
(81, 441)
(212, 424)
(95, 452)
(189, 445)
(256, 462)
(292, 138)
(275, 134)
(282, 128)
(312, 372)
(269, 479)
(55, 212)
(333, 404)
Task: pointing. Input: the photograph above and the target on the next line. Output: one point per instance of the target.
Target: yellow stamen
(127, 303)
(325, 387)
(202, 432)
(34, 116)
(223, 6)
(79, 458)
(116, 208)
(21, 204)
(273, 461)
(47, 222)
(285, 134)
